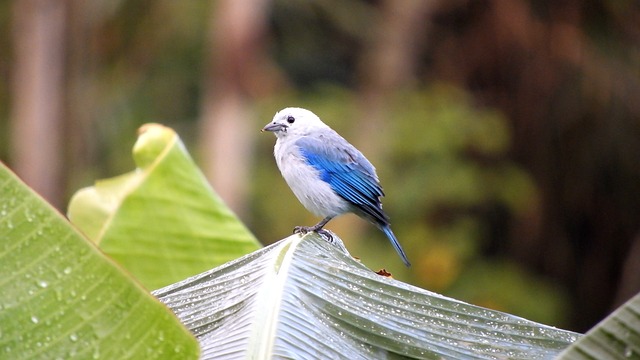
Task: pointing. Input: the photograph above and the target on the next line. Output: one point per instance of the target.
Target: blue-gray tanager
(328, 175)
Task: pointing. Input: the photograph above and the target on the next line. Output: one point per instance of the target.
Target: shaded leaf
(615, 337)
(162, 221)
(302, 297)
(60, 297)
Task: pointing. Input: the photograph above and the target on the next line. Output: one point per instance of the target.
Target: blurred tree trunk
(232, 78)
(389, 63)
(83, 100)
(38, 37)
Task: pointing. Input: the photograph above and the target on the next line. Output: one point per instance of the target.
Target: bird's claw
(326, 234)
(307, 229)
(302, 229)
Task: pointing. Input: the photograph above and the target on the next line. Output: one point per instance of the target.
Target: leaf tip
(153, 139)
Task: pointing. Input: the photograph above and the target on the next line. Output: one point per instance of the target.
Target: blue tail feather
(395, 243)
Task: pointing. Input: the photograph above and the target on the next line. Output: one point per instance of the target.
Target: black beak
(274, 127)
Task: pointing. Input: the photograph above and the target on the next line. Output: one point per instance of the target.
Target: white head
(294, 121)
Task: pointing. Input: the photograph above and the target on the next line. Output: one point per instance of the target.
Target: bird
(328, 175)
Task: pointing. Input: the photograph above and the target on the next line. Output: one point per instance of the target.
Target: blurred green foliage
(446, 163)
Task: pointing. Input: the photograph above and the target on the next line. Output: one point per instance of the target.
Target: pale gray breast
(304, 180)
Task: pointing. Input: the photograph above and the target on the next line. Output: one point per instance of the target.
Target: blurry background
(506, 132)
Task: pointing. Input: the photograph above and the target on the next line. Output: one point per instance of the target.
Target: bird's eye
(291, 119)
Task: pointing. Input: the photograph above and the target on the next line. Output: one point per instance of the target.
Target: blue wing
(348, 173)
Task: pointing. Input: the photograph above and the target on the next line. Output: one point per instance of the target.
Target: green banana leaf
(306, 298)
(616, 337)
(61, 298)
(162, 221)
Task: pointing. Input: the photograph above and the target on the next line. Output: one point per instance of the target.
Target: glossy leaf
(162, 221)
(61, 298)
(616, 337)
(303, 297)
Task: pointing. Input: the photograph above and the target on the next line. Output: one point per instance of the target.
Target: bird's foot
(303, 229)
(326, 234)
(307, 229)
